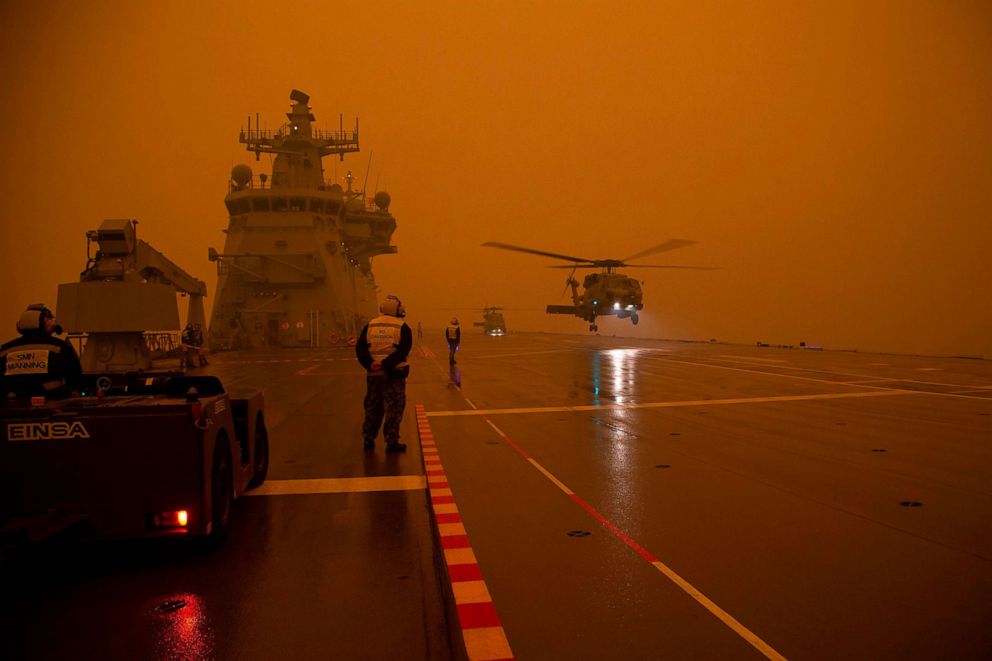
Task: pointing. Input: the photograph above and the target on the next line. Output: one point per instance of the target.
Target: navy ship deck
(624, 499)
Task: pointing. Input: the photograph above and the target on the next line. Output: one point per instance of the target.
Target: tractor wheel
(221, 492)
(260, 467)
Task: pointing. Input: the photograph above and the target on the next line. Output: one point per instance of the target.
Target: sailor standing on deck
(382, 349)
(453, 335)
(37, 362)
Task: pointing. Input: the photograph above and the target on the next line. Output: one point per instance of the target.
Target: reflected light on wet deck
(623, 362)
(187, 634)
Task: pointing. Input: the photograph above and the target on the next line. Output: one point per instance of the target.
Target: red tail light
(176, 519)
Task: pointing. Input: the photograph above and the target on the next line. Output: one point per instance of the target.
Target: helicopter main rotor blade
(671, 244)
(669, 266)
(507, 246)
(636, 266)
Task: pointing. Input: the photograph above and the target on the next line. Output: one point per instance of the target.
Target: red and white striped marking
(482, 631)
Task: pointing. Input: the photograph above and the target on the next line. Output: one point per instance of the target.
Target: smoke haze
(834, 159)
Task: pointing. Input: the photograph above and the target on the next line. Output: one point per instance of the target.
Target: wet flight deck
(623, 499)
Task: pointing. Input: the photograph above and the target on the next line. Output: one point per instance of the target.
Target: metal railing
(285, 131)
(162, 341)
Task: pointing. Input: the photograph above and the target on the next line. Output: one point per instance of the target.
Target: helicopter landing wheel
(634, 319)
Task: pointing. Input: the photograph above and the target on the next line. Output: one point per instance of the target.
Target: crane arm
(156, 267)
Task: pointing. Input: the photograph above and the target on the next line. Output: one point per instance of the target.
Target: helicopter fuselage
(603, 294)
(492, 323)
(611, 293)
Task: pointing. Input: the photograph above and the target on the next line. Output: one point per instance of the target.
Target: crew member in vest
(382, 349)
(453, 334)
(37, 362)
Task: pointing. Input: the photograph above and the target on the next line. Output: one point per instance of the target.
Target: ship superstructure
(296, 269)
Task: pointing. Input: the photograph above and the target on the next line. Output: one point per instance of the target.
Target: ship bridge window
(238, 207)
(316, 205)
(279, 204)
(332, 206)
(260, 204)
(297, 204)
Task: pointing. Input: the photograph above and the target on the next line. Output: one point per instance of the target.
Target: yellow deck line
(822, 371)
(676, 404)
(340, 485)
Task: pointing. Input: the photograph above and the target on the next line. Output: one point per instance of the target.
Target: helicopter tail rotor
(568, 282)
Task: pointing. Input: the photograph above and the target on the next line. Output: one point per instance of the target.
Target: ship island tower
(296, 270)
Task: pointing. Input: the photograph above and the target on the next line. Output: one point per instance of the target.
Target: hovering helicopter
(606, 292)
(492, 322)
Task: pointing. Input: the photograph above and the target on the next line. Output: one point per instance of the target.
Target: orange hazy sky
(834, 158)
